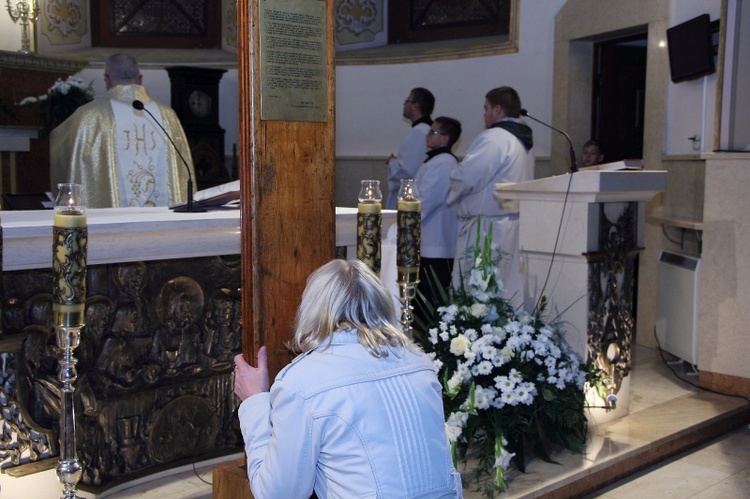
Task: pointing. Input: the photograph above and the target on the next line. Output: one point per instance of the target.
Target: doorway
(618, 93)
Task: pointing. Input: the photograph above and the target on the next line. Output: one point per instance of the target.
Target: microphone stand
(189, 207)
(573, 162)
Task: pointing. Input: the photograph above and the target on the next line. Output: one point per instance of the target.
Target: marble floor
(717, 469)
(677, 442)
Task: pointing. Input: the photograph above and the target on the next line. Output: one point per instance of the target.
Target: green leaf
(547, 394)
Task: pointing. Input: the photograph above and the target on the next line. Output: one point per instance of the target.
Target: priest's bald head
(121, 69)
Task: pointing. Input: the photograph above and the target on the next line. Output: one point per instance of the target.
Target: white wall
(229, 112)
(10, 33)
(691, 105)
(369, 98)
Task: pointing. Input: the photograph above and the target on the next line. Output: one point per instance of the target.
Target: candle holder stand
(408, 242)
(69, 468)
(25, 13)
(69, 248)
(407, 293)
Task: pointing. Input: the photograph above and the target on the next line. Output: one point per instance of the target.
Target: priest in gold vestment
(119, 154)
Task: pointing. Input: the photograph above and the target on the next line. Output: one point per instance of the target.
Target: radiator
(677, 306)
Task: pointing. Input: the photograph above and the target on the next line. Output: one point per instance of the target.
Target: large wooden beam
(287, 183)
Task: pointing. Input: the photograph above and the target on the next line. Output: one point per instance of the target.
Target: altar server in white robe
(119, 154)
(439, 221)
(502, 153)
(413, 151)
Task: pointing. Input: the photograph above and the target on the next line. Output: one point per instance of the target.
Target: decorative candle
(409, 232)
(369, 221)
(69, 247)
(69, 244)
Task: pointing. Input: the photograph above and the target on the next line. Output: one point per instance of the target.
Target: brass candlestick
(369, 223)
(26, 13)
(408, 241)
(69, 245)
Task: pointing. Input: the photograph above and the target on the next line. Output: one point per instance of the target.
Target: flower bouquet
(62, 99)
(510, 382)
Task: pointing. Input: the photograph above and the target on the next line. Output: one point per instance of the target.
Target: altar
(163, 322)
(133, 234)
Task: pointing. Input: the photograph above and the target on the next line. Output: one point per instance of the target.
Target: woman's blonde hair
(343, 295)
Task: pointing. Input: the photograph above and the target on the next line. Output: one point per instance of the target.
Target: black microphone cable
(138, 106)
(572, 151)
(573, 169)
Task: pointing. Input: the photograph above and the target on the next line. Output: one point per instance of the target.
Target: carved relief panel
(155, 384)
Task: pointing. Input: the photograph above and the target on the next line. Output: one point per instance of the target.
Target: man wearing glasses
(439, 221)
(411, 153)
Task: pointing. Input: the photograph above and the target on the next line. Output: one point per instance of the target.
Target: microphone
(138, 105)
(573, 162)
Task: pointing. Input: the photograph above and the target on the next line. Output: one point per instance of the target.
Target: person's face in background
(592, 156)
(436, 138)
(411, 108)
(492, 114)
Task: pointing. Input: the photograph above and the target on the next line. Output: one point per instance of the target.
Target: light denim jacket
(349, 425)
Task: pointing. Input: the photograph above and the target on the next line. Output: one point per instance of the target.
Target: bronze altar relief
(155, 368)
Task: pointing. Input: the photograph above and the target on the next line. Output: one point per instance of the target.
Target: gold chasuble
(119, 155)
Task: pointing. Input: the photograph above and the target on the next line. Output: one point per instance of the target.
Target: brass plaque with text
(293, 60)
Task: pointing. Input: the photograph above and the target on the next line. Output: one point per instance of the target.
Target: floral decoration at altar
(510, 381)
(62, 99)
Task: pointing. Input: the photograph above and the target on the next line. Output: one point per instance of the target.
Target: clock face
(199, 103)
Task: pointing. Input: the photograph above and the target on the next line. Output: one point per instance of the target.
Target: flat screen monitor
(691, 49)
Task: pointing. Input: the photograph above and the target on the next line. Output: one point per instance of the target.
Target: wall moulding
(431, 51)
(362, 29)
(30, 62)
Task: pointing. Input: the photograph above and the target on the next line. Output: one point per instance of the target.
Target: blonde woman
(358, 413)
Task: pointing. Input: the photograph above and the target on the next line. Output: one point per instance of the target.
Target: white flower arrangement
(509, 380)
(62, 98)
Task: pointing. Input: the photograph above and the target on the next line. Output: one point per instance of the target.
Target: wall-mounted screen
(691, 49)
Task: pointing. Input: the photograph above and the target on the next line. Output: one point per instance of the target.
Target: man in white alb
(413, 150)
(502, 153)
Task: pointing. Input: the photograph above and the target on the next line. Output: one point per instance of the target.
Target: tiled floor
(666, 415)
(661, 407)
(718, 469)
